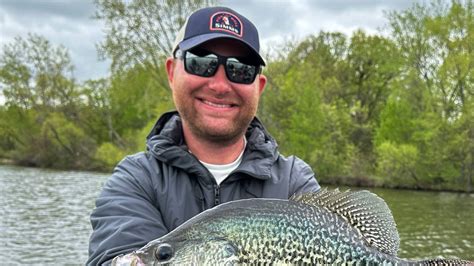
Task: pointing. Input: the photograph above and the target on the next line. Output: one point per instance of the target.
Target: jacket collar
(166, 143)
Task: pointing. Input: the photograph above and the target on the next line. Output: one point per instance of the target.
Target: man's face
(214, 108)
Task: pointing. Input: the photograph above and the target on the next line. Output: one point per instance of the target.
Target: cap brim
(197, 40)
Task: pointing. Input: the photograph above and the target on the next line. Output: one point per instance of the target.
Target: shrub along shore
(393, 109)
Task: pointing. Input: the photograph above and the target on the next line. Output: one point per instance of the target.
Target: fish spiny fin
(447, 262)
(363, 210)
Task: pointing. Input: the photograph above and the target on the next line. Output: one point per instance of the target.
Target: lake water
(44, 218)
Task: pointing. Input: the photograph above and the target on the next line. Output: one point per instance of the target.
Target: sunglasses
(203, 63)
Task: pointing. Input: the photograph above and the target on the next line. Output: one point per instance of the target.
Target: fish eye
(229, 250)
(164, 252)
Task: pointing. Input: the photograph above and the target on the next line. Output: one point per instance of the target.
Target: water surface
(432, 224)
(44, 218)
(44, 215)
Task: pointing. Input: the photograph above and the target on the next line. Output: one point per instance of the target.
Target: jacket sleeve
(303, 179)
(125, 217)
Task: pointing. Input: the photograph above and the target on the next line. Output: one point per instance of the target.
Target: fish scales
(329, 227)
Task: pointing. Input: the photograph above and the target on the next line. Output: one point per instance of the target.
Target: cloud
(302, 17)
(67, 23)
(70, 23)
(71, 9)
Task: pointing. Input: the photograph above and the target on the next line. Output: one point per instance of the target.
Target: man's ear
(170, 70)
(262, 81)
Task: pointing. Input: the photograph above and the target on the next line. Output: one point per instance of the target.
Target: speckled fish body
(328, 227)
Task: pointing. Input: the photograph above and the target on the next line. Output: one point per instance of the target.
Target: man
(212, 150)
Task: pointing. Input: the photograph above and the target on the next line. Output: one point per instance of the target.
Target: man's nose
(219, 82)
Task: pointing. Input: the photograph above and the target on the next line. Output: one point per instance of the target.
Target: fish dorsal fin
(363, 210)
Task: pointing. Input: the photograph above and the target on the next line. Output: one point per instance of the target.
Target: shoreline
(355, 182)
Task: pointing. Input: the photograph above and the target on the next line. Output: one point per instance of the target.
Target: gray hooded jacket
(151, 193)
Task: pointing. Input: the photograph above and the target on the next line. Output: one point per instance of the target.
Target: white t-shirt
(222, 171)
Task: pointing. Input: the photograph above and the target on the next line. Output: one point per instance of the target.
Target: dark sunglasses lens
(239, 72)
(201, 65)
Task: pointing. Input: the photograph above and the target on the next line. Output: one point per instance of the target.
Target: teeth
(217, 105)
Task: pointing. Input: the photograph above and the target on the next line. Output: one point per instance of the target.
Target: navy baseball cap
(217, 22)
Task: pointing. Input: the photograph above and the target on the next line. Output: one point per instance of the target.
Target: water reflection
(44, 218)
(432, 224)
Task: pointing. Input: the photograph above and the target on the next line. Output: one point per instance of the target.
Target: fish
(325, 227)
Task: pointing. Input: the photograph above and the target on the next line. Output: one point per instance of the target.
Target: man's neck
(214, 152)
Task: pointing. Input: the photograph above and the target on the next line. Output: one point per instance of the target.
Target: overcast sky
(69, 22)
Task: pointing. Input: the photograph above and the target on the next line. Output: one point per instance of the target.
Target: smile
(217, 105)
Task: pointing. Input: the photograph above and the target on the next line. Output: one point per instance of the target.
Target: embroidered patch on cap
(224, 21)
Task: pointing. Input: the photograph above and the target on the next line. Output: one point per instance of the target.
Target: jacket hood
(166, 143)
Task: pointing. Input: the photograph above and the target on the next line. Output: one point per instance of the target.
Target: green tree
(61, 143)
(36, 75)
(322, 52)
(142, 32)
(301, 110)
(371, 66)
(41, 119)
(17, 127)
(437, 84)
(437, 44)
(123, 105)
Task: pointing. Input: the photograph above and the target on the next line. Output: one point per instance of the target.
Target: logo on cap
(224, 21)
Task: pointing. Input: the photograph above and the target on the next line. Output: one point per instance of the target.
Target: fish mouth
(127, 260)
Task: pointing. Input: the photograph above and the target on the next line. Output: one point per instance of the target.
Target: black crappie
(326, 227)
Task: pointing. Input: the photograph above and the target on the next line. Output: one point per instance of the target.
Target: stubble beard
(231, 133)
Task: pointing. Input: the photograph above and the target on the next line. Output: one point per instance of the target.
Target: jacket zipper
(217, 192)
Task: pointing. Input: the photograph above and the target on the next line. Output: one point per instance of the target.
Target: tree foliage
(42, 113)
(436, 87)
(381, 110)
(35, 75)
(364, 109)
(142, 32)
